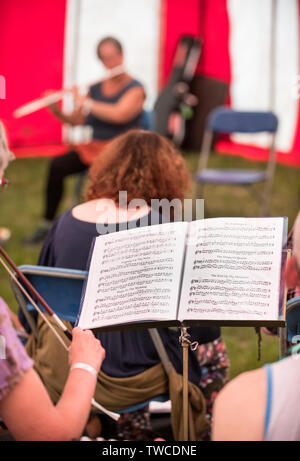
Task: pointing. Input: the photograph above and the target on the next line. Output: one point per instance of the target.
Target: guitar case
(175, 99)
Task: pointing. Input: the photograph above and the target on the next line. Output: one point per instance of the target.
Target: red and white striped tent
(50, 44)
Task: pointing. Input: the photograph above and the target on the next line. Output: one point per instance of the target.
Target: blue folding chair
(61, 289)
(227, 121)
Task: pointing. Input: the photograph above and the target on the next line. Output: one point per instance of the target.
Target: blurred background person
(112, 106)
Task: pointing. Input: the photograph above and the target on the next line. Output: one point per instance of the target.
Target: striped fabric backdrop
(46, 45)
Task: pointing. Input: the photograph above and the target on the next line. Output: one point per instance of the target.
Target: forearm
(110, 112)
(74, 405)
(27, 409)
(29, 413)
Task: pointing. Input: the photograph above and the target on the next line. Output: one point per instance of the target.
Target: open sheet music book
(217, 271)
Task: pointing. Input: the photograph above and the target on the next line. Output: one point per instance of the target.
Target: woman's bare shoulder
(240, 407)
(86, 211)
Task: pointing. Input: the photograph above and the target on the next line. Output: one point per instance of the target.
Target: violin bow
(48, 309)
(34, 292)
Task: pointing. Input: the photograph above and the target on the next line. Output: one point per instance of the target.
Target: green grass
(21, 207)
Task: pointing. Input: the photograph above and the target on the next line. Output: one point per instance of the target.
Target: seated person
(25, 406)
(112, 107)
(264, 404)
(146, 166)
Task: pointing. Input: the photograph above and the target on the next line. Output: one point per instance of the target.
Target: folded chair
(228, 121)
(61, 289)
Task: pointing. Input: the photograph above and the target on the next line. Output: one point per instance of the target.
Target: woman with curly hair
(145, 166)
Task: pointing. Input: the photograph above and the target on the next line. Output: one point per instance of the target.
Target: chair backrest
(61, 288)
(147, 120)
(226, 120)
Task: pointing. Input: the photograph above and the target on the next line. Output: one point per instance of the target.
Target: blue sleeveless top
(103, 130)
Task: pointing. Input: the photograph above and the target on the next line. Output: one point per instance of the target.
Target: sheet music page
(134, 276)
(232, 269)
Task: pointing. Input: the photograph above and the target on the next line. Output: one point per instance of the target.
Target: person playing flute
(110, 108)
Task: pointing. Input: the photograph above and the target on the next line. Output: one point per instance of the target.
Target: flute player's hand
(54, 107)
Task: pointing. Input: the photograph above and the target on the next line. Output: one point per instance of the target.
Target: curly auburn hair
(144, 164)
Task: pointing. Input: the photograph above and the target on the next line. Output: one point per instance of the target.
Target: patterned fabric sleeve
(14, 361)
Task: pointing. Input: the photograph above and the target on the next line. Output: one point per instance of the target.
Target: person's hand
(270, 331)
(80, 100)
(54, 107)
(86, 348)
